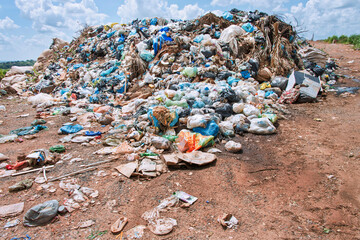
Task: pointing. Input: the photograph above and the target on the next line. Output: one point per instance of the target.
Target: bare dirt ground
(301, 183)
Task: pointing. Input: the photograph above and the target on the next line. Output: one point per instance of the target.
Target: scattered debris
(41, 214)
(11, 210)
(12, 223)
(22, 185)
(119, 225)
(228, 220)
(86, 224)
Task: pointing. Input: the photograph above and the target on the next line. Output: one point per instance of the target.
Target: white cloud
(327, 17)
(50, 15)
(7, 23)
(132, 9)
(263, 4)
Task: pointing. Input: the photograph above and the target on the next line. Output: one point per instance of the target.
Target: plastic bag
(229, 36)
(162, 118)
(68, 129)
(28, 130)
(227, 129)
(40, 98)
(232, 80)
(188, 141)
(160, 142)
(211, 129)
(250, 110)
(265, 85)
(228, 16)
(238, 107)
(57, 148)
(198, 121)
(271, 116)
(146, 56)
(190, 72)
(261, 126)
(248, 27)
(280, 82)
(199, 38)
(225, 110)
(181, 103)
(233, 147)
(107, 72)
(41, 214)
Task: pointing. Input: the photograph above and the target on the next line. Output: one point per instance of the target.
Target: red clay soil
(301, 183)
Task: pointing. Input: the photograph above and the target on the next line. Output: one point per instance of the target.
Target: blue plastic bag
(211, 129)
(107, 72)
(109, 35)
(248, 27)
(146, 56)
(166, 38)
(232, 80)
(199, 38)
(69, 129)
(92, 133)
(227, 16)
(28, 130)
(121, 39)
(164, 29)
(153, 21)
(198, 104)
(79, 65)
(268, 93)
(245, 74)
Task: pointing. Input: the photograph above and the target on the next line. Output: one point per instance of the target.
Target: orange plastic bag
(188, 141)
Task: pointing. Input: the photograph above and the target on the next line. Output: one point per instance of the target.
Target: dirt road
(301, 183)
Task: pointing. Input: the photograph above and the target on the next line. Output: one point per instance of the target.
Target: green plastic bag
(57, 148)
(190, 72)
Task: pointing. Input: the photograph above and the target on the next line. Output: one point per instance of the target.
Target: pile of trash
(161, 94)
(173, 85)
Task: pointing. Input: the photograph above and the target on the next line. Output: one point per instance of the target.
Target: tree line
(8, 65)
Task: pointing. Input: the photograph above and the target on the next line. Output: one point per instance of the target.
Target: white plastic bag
(261, 126)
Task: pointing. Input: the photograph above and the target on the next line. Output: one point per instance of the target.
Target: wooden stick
(32, 170)
(73, 173)
(97, 163)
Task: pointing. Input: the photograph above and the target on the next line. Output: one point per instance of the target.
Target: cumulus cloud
(132, 9)
(7, 23)
(327, 17)
(50, 15)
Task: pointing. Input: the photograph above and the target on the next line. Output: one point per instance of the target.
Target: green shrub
(2, 73)
(353, 39)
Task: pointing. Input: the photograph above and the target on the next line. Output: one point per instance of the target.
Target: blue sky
(27, 26)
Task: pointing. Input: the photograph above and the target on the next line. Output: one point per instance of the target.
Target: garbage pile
(161, 94)
(163, 85)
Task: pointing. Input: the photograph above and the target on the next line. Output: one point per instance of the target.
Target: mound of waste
(163, 85)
